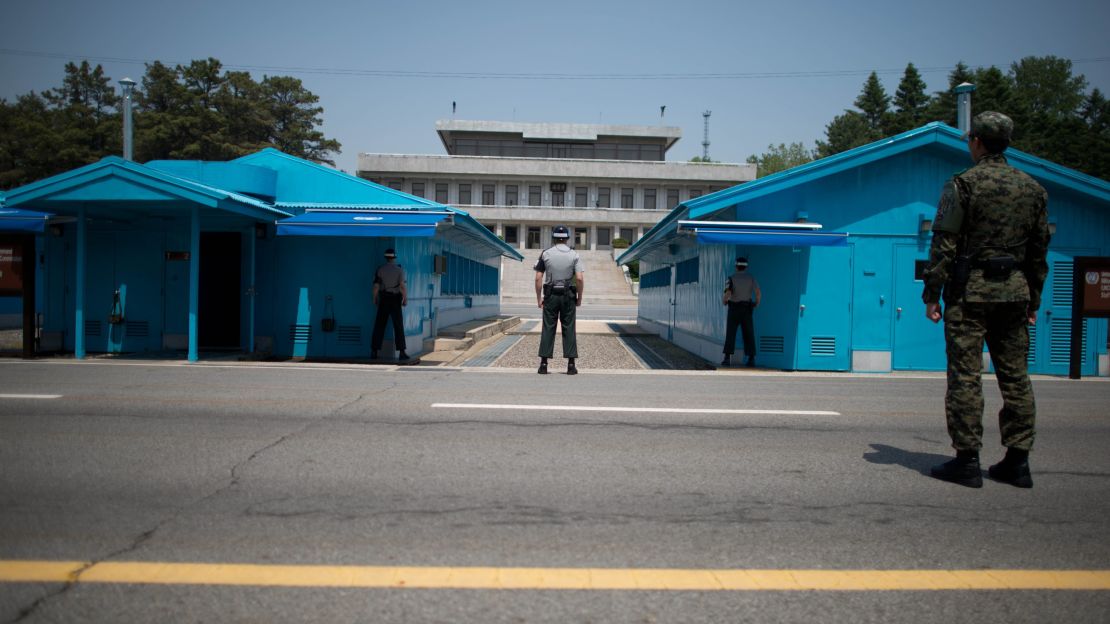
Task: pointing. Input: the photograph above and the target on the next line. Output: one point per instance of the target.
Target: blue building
(838, 246)
(267, 252)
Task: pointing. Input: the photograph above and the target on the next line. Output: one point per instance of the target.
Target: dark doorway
(218, 307)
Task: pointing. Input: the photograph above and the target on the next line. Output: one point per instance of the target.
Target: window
(626, 197)
(628, 152)
(672, 198)
(533, 241)
(651, 152)
(464, 193)
(441, 192)
(628, 234)
(511, 195)
(606, 151)
(397, 185)
(535, 196)
(649, 199)
(488, 194)
(695, 193)
(418, 189)
(581, 197)
(558, 198)
(511, 234)
(603, 197)
(686, 272)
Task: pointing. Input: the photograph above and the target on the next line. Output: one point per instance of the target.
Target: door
(533, 241)
(219, 318)
(581, 238)
(824, 317)
(1050, 337)
(776, 318)
(918, 342)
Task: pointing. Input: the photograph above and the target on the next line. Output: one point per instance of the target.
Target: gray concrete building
(520, 179)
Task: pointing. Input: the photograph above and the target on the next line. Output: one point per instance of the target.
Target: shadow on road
(920, 462)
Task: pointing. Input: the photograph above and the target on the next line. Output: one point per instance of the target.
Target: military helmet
(560, 231)
(389, 253)
(991, 125)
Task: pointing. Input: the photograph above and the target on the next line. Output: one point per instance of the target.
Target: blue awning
(771, 238)
(17, 220)
(362, 223)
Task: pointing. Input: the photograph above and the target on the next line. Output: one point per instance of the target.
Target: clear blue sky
(820, 52)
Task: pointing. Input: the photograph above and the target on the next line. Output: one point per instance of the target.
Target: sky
(385, 71)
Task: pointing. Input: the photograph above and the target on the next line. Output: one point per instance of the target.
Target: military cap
(741, 261)
(560, 231)
(389, 253)
(991, 125)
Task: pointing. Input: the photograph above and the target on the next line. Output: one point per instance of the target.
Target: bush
(634, 270)
(619, 243)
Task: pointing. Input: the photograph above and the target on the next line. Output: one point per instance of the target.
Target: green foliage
(1054, 117)
(194, 111)
(780, 158)
(619, 243)
(634, 270)
(701, 159)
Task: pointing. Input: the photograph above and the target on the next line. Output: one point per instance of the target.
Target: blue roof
(935, 134)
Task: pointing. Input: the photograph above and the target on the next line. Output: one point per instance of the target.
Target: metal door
(918, 342)
(1050, 337)
(776, 318)
(824, 315)
(138, 278)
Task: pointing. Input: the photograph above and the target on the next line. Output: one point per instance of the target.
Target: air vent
(822, 346)
(300, 334)
(771, 344)
(1061, 284)
(1060, 341)
(92, 328)
(350, 334)
(138, 329)
(1031, 356)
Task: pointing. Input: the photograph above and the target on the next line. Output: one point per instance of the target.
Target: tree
(295, 117)
(875, 104)
(910, 102)
(993, 91)
(845, 132)
(779, 158)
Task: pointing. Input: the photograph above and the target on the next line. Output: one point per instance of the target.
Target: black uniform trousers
(560, 309)
(389, 307)
(740, 313)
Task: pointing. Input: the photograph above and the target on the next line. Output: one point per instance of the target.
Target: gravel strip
(594, 353)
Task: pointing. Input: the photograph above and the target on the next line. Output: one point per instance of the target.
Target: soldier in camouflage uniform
(988, 255)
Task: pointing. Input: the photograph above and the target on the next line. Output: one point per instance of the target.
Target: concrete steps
(605, 282)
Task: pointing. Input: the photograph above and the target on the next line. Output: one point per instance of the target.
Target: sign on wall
(11, 268)
(1090, 298)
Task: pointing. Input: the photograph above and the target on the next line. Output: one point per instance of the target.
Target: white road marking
(657, 410)
(30, 396)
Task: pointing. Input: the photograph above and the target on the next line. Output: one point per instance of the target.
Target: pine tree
(875, 104)
(910, 102)
(943, 106)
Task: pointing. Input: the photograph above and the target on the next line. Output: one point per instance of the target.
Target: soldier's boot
(963, 470)
(373, 355)
(751, 361)
(727, 361)
(543, 366)
(571, 370)
(402, 356)
(1013, 469)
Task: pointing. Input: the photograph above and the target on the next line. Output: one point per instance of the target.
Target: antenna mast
(705, 140)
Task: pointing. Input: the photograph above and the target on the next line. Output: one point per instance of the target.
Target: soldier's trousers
(559, 308)
(740, 314)
(389, 309)
(1004, 328)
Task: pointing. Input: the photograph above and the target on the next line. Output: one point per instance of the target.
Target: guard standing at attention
(990, 240)
(742, 296)
(390, 295)
(559, 288)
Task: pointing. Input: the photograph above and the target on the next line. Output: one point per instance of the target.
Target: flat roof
(669, 135)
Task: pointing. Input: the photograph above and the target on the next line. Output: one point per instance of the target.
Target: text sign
(11, 267)
(1094, 280)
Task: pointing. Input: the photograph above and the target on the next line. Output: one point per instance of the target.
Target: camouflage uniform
(989, 211)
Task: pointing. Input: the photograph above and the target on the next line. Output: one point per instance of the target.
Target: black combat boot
(963, 470)
(543, 366)
(373, 355)
(751, 361)
(1013, 469)
(571, 370)
(727, 361)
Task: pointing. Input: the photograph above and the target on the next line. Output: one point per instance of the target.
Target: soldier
(559, 288)
(990, 240)
(390, 295)
(742, 296)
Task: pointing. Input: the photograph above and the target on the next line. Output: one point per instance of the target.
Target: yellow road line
(167, 573)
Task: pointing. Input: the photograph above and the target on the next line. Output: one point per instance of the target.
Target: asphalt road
(359, 466)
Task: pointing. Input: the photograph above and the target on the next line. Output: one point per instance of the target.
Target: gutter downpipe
(128, 132)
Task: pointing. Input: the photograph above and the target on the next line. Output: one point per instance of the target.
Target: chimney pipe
(963, 106)
(128, 87)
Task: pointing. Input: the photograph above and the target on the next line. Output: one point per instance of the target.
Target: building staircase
(605, 283)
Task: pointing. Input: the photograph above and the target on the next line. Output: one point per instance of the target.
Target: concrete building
(520, 179)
